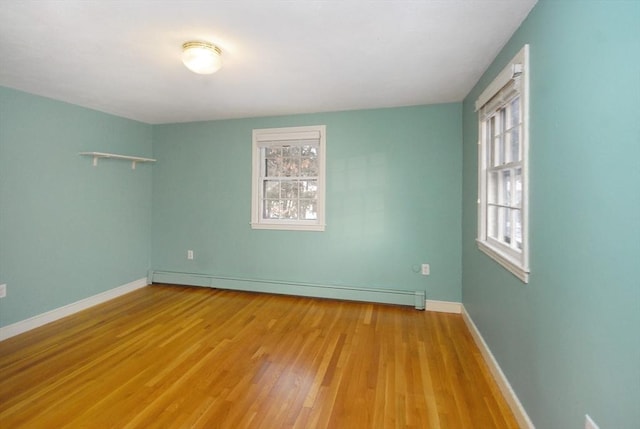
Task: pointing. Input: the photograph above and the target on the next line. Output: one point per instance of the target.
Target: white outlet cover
(425, 269)
(3, 290)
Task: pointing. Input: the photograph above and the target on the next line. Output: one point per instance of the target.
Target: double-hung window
(503, 173)
(289, 178)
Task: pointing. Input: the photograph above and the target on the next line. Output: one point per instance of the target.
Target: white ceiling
(280, 57)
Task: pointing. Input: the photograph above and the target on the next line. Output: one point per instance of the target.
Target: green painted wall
(393, 202)
(68, 230)
(569, 341)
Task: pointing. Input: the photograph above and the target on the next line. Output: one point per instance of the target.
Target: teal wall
(68, 230)
(393, 202)
(569, 341)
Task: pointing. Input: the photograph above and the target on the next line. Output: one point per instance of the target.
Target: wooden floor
(181, 357)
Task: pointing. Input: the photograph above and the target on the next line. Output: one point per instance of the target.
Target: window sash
(288, 205)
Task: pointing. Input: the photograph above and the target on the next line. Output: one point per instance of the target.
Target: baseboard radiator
(352, 293)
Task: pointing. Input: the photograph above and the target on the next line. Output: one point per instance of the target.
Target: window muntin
(503, 167)
(288, 176)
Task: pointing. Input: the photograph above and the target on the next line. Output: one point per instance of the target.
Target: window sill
(508, 263)
(288, 226)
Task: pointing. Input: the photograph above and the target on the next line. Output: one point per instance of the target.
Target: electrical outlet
(425, 269)
(3, 291)
(189, 254)
(589, 424)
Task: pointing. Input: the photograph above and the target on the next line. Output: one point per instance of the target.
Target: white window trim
(261, 138)
(515, 262)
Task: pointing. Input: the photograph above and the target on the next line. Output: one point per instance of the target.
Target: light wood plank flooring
(183, 357)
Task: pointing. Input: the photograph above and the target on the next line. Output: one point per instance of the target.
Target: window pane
(492, 188)
(492, 221)
(271, 209)
(518, 187)
(289, 209)
(515, 111)
(289, 189)
(308, 209)
(272, 168)
(501, 148)
(293, 151)
(498, 151)
(271, 189)
(517, 228)
(494, 141)
(487, 138)
(506, 188)
(309, 151)
(270, 152)
(309, 167)
(505, 218)
(290, 166)
(308, 189)
(514, 144)
(507, 147)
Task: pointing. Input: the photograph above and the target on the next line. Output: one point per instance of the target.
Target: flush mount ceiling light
(201, 57)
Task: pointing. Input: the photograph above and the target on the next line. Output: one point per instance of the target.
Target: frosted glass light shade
(201, 57)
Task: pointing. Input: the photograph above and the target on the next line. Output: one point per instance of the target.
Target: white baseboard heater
(351, 293)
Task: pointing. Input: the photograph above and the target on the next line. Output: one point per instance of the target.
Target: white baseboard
(505, 387)
(58, 313)
(444, 306)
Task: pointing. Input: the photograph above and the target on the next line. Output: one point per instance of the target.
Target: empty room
(320, 214)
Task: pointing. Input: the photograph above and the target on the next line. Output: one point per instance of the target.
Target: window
(289, 178)
(503, 180)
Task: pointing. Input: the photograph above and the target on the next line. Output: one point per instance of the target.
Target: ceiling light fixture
(201, 57)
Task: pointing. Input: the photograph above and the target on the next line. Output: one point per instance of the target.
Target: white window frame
(266, 137)
(513, 81)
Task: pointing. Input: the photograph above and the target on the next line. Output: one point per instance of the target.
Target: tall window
(503, 110)
(289, 178)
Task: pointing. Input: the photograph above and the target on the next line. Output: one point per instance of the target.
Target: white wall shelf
(133, 159)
